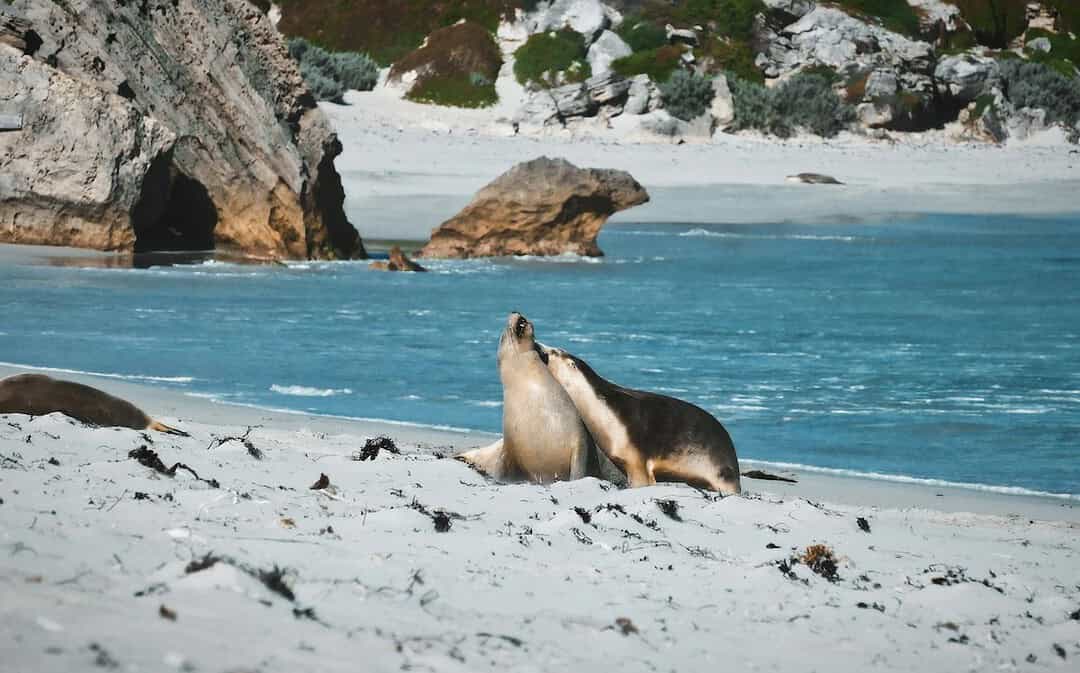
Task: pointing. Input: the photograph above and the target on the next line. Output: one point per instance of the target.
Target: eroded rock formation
(397, 261)
(539, 207)
(164, 125)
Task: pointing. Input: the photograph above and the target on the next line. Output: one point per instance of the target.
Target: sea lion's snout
(518, 324)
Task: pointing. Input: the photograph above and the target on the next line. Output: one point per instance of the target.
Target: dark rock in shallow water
(397, 262)
(540, 207)
(158, 140)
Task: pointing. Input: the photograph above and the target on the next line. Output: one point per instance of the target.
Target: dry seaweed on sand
(586, 515)
(166, 613)
(670, 508)
(624, 626)
(273, 578)
(821, 560)
(440, 517)
(863, 524)
(253, 451)
(322, 482)
(373, 446)
(150, 458)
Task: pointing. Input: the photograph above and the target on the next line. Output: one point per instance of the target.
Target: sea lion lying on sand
(651, 437)
(544, 438)
(37, 395)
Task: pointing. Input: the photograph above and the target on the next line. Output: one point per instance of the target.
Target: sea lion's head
(570, 371)
(518, 336)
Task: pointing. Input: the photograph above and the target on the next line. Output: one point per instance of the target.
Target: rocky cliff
(163, 125)
(539, 207)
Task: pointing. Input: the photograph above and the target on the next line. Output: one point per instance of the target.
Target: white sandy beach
(407, 167)
(575, 576)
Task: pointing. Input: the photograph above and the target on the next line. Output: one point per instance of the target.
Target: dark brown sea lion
(651, 437)
(37, 395)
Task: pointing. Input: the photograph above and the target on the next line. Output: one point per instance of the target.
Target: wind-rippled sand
(107, 563)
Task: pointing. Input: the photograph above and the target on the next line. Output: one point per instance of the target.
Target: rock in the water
(196, 131)
(397, 262)
(605, 50)
(814, 179)
(584, 16)
(540, 207)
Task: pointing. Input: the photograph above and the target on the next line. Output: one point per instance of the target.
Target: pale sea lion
(544, 438)
(37, 395)
(650, 437)
(813, 179)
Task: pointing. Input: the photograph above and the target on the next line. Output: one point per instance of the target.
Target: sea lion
(650, 437)
(37, 395)
(544, 438)
(813, 179)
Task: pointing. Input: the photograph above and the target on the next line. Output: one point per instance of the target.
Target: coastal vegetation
(553, 58)
(896, 15)
(1039, 86)
(330, 74)
(686, 95)
(457, 66)
(386, 30)
(806, 101)
(657, 63)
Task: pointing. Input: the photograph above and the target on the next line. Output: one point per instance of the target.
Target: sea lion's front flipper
(161, 427)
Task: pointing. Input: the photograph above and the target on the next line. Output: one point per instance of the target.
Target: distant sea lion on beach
(651, 437)
(37, 395)
(544, 438)
(813, 179)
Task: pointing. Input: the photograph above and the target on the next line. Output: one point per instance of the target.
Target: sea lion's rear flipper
(161, 427)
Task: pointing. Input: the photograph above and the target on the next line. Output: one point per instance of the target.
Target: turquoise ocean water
(932, 348)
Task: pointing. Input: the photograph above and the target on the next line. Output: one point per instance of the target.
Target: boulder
(183, 143)
(397, 262)
(583, 16)
(607, 48)
(722, 107)
(539, 207)
(828, 36)
(607, 89)
(875, 115)
(966, 76)
(686, 36)
(881, 84)
(572, 100)
(548, 107)
(637, 98)
(1042, 44)
(788, 11)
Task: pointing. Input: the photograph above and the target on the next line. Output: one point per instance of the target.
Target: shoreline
(407, 167)
(848, 487)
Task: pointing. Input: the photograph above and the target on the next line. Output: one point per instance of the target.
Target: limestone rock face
(75, 173)
(587, 17)
(196, 130)
(967, 76)
(722, 107)
(607, 48)
(539, 207)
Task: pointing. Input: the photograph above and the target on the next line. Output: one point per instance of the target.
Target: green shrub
(1068, 14)
(545, 54)
(641, 35)
(731, 18)
(896, 15)
(686, 95)
(805, 101)
(385, 30)
(1036, 85)
(457, 66)
(1064, 55)
(731, 56)
(329, 74)
(994, 22)
(456, 91)
(658, 64)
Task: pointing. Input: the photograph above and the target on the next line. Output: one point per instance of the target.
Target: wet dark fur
(37, 395)
(657, 424)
